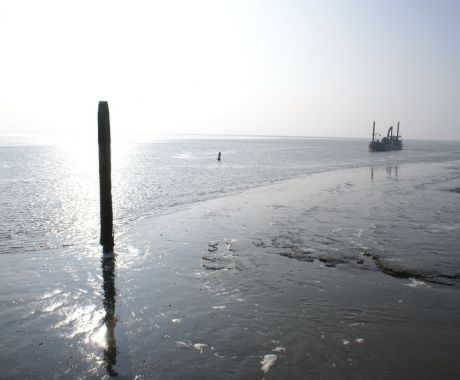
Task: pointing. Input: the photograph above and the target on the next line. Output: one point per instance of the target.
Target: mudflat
(350, 274)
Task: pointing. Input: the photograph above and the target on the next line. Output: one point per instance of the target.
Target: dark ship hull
(383, 147)
(387, 143)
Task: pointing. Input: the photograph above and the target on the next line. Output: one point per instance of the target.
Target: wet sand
(284, 281)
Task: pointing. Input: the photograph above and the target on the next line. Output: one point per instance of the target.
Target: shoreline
(279, 182)
(235, 287)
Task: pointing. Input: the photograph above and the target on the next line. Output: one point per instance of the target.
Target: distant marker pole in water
(218, 156)
(105, 180)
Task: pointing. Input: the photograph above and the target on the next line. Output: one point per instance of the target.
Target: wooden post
(373, 132)
(105, 181)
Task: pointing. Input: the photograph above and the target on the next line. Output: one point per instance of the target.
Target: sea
(50, 195)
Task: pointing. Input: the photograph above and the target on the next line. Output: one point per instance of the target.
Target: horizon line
(30, 139)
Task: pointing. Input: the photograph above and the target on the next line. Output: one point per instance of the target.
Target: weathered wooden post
(105, 180)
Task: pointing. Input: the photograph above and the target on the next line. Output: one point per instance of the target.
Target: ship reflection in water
(110, 348)
(391, 170)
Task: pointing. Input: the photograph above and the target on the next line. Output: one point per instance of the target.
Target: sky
(289, 67)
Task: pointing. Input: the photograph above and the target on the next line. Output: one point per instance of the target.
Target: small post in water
(373, 132)
(218, 156)
(105, 180)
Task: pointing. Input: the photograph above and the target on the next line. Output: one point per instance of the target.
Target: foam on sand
(267, 362)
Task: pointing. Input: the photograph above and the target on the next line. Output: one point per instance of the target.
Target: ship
(390, 142)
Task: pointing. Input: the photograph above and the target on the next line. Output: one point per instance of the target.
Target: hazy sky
(287, 67)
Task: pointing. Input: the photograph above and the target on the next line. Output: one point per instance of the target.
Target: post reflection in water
(110, 349)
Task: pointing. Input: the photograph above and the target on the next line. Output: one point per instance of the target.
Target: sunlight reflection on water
(53, 197)
(86, 321)
(83, 320)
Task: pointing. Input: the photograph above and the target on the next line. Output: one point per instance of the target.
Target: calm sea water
(49, 194)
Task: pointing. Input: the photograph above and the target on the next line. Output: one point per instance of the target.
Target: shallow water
(50, 193)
